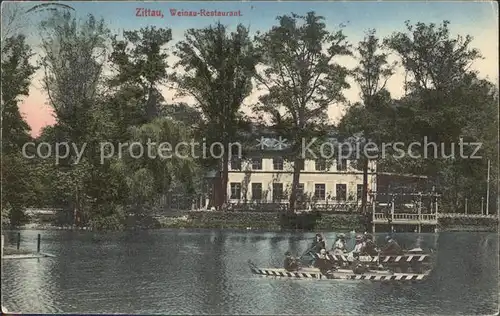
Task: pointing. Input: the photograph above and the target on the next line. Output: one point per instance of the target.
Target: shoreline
(256, 221)
(184, 226)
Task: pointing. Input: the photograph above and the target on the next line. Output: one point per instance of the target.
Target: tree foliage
(73, 58)
(295, 64)
(218, 66)
(140, 61)
(369, 117)
(445, 103)
(17, 71)
(302, 79)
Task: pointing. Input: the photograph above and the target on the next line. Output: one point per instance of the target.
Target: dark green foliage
(219, 69)
(368, 119)
(295, 64)
(302, 80)
(445, 103)
(17, 189)
(140, 60)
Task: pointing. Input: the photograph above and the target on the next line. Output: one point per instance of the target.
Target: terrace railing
(405, 217)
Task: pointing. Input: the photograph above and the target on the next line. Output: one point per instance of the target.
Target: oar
(306, 252)
(251, 264)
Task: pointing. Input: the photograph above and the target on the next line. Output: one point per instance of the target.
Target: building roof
(262, 140)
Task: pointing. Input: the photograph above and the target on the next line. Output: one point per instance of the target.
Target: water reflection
(200, 272)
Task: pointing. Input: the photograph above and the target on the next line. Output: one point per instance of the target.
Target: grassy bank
(468, 224)
(264, 220)
(469, 229)
(273, 221)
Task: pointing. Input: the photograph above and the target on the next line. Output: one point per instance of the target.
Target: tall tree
(302, 80)
(73, 56)
(219, 66)
(16, 80)
(432, 59)
(437, 68)
(16, 74)
(445, 102)
(140, 59)
(368, 116)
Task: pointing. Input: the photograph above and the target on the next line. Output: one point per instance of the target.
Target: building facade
(267, 178)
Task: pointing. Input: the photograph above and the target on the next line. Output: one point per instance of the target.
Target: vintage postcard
(250, 158)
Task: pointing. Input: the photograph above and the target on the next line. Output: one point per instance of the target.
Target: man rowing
(318, 243)
(312, 252)
(392, 248)
(369, 248)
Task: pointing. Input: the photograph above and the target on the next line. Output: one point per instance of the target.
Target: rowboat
(340, 274)
(385, 259)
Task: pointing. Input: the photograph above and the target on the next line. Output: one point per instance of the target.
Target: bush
(112, 218)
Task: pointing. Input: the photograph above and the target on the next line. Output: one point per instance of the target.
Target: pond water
(206, 272)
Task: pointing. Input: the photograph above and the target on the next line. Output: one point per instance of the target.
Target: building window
(256, 163)
(301, 164)
(278, 163)
(319, 191)
(342, 164)
(341, 192)
(235, 191)
(256, 191)
(359, 192)
(278, 191)
(235, 163)
(320, 165)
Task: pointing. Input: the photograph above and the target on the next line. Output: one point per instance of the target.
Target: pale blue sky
(381, 15)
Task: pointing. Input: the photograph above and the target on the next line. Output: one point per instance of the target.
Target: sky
(478, 19)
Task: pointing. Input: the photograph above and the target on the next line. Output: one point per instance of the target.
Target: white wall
(309, 177)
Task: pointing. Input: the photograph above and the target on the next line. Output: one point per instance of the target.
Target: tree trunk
(224, 176)
(295, 184)
(151, 105)
(75, 211)
(365, 186)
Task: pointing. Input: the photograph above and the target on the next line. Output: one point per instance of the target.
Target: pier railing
(462, 215)
(404, 217)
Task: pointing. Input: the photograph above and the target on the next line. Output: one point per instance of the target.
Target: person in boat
(316, 246)
(369, 247)
(392, 248)
(359, 244)
(339, 247)
(318, 243)
(290, 263)
(357, 248)
(323, 263)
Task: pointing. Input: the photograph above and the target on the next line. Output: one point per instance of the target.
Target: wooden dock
(391, 215)
(384, 213)
(18, 253)
(28, 256)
